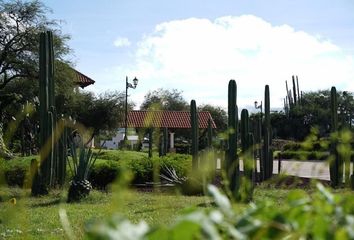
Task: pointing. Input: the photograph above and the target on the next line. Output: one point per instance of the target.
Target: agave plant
(81, 165)
(171, 175)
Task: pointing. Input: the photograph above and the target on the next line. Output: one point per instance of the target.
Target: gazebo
(167, 119)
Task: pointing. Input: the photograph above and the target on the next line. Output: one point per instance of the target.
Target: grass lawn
(38, 218)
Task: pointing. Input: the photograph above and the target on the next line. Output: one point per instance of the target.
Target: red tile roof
(82, 80)
(168, 119)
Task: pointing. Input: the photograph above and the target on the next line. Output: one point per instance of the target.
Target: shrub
(304, 155)
(103, 173)
(292, 146)
(15, 176)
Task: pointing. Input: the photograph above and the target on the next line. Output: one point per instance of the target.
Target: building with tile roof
(167, 119)
(171, 120)
(82, 80)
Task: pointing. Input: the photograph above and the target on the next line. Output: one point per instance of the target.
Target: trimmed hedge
(105, 171)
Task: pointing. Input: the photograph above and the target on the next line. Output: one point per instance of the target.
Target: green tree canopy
(165, 99)
(20, 24)
(104, 112)
(218, 114)
(314, 111)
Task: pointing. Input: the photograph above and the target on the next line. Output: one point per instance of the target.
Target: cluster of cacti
(293, 98)
(195, 139)
(232, 166)
(266, 163)
(51, 165)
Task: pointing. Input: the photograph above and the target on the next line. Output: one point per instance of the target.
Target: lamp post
(260, 106)
(133, 86)
(259, 127)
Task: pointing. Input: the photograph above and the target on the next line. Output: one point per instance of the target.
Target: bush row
(319, 145)
(104, 172)
(304, 155)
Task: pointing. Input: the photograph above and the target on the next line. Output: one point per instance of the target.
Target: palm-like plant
(81, 165)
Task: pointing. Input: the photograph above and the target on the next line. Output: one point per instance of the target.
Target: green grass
(38, 218)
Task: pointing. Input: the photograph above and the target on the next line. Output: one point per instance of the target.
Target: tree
(164, 99)
(218, 114)
(105, 112)
(314, 111)
(20, 24)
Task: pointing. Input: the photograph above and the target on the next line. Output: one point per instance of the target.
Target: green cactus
(294, 90)
(62, 150)
(163, 142)
(267, 152)
(195, 128)
(232, 167)
(49, 172)
(335, 166)
(150, 132)
(246, 145)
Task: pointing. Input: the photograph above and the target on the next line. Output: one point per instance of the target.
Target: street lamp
(133, 86)
(259, 127)
(260, 106)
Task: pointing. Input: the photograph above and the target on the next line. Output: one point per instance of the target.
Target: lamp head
(135, 82)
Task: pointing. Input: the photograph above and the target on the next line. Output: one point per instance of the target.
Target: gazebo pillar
(172, 142)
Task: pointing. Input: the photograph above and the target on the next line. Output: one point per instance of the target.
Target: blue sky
(198, 45)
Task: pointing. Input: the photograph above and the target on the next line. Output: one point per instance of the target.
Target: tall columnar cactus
(335, 166)
(267, 135)
(247, 146)
(150, 132)
(294, 90)
(62, 151)
(195, 128)
(232, 167)
(49, 173)
(298, 91)
(164, 142)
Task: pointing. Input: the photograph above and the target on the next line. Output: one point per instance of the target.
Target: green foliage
(304, 155)
(218, 114)
(103, 173)
(82, 162)
(164, 99)
(321, 215)
(100, 113)
(19, 48)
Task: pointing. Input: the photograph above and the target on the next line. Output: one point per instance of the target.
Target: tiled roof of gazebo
(166, 119)
(82, 80)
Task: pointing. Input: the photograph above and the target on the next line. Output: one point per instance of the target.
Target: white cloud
(200, 56)
(122, 42)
